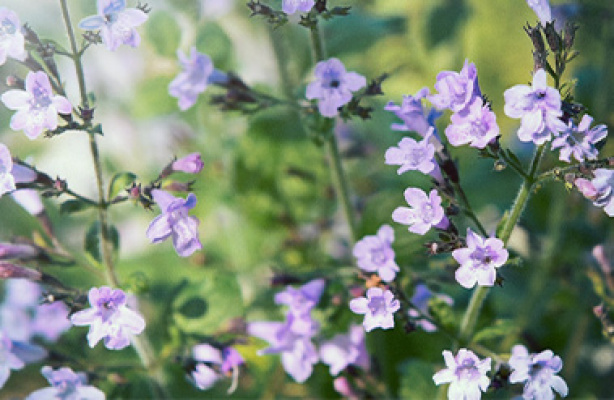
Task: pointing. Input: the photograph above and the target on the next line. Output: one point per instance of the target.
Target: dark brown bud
(536, 37)
(569, 34)
(553, 37)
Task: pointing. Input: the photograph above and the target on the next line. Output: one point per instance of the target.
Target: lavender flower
(580, 141)
(292, 6)
(37, 107)
(109, 318)
(600, 190)
(425, 213)
(193, 79)
(475, 125)
(542, 9)
(378, 307)
(413, 114)
(116, 23)
(66, 385)
(15, 355)
(478, 260)
(539, 372)
(333, 86)
(298, 354)
(12, 42)
(412, 155)
(538, 106)
(374, 253)
(301, 302)
(191, 164)
(7, 180)
(345, 349)
(456, 90)
(465, 373)
(207, 357)
(175, 222)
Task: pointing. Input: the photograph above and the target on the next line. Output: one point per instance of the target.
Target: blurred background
(266, 203)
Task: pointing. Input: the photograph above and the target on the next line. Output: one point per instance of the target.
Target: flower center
(378, 256)
(335, 83)
(377, 305)
(7, 28)
(40, 98)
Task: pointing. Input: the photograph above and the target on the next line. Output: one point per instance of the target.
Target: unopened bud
(12, 271)
(12, 251)
(569, 34)
(15, 81)
(536, 37)
(553, 37)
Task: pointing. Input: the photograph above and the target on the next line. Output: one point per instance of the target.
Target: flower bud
(11, 271)
(553, 37)
(10, 251)
(192, 164)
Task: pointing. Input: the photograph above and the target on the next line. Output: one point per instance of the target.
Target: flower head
(175, 222)
(345, 349)
(542, 9)
(374, 253)
(66, 385)
(333, 86)
(425, 213)
(412, 155)
(37, 107)
(465, 373)
(301, 301)
(600, 189)
(413, 114)
(478, 260)
(475, 125)
(378, 308)
(12, 42)
(208, 360)
(456, 89)
(7, 180)
(292, 6)
(191, 164)
(116, 23)
(15, 355)
(193, 79)
(109, 318)
(539, 372)
(580, 141)
(538, 106)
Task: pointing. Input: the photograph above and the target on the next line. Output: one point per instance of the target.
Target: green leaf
(213, 41)
(73, 205)
(499, 329)
(417, 380)
(120, 182)
(163, 33)
(92, 241)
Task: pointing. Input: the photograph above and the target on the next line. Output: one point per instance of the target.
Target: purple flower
(539, 372)
(298, 354)
(542, 9)
(292, 6)
(600, 189)
(116, 23)
(207, 359)
(425, 213)
(191, 164)
(456, 90)
(301, 302)
(412, 114)
(580, 141)
(538, 106)
(478, 260)
(193, 79)
(66, 385)
(475, 125)
(345, 349)
(7, 180)
(15, 355)
(109, 318)
(333, 86)
(378, 307)
(412, 155)
(37, 107)
(420, 299)
(12, 42)
(465, 373)
(175, 222)
(374, 253)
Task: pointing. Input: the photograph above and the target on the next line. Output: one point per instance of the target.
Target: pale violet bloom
(600, 189)
(29, 200)
(465, 373)
(298, 354)
(538, 371)
(175, 222)
(14, 355)
(413, 115)
(333, 86)
(66, 385)
(456, 89)
(475, 125)
(420, 300)
(378, 307)
(7, 180)
(539, 108)
(292, 6)
(425, 212)
(412, 155)
(345, 349)
(580, 141)
(116, 23)
(109, 318)
(301, 301)
(542, 9)
(12, 43)
(37, 107)
(197, 72)
(478, 260)
(191, 164)
(374, 253)
(209, 360)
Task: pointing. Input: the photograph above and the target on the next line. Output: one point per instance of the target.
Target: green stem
(467, 208)
(319, 53)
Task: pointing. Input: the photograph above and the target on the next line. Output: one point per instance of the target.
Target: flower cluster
(66, 384)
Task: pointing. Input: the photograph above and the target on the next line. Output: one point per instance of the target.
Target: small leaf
(120, 182)
(501, 328)
(92, 241)
(73, 205)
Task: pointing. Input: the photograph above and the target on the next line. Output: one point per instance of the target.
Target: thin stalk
(468, 210)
